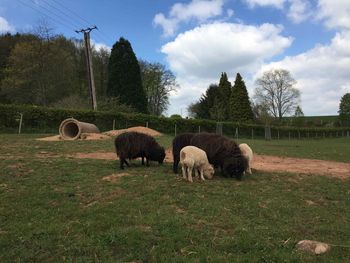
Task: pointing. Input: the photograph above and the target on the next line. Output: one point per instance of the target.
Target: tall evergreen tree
(223, 99)
(124, 76)
(240, 108)
(344, 109)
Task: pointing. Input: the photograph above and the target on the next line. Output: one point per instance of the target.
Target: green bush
(47, 120)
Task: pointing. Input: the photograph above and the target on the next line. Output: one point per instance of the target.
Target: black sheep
(131, 145)
(222, 152)
(179, 142)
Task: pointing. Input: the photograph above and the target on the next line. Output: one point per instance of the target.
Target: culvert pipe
(71, 129)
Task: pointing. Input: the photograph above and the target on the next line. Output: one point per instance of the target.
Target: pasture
(58, 208)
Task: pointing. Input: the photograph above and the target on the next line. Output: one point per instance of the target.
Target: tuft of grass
(59, 209)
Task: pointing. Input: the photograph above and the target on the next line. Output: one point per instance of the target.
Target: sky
(199, 39)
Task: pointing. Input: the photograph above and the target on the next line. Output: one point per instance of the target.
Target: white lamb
(248, 154)
(193, 157)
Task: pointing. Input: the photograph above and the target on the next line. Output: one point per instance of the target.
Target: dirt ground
(106, 135)
(260, 162)
(264, 163)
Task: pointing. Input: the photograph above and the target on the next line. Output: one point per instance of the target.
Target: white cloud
(198, 10)
(198, 56)
(335, 13)
(99, 45)
(322, 74)
(273, 3)
(209, 49)
(299, 10)
(5, 26)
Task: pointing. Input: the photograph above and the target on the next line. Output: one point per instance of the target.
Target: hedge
(47, 120)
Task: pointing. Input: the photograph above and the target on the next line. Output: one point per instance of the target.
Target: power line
(42, 13)
(72, 12)
(62, 12)
(53, 13)
(101, 34)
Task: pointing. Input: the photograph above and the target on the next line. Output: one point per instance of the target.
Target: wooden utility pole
(88, 58)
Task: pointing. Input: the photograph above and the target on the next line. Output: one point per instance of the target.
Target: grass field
(56, 208)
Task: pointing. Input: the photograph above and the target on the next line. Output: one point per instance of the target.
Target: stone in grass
(312, 246)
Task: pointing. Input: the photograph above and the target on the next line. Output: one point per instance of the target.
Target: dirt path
(265, 163)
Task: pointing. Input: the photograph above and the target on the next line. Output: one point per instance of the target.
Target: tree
(298, 112)
(275, 89)
(157, 82)
(204, 108)
(221, 108)
(240, 108)
(124, 76)
(344, 109)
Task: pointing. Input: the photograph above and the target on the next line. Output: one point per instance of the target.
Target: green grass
(58, 209)
(336, 149)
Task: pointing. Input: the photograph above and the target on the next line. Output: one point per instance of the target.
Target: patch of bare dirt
(105, 135)
(140, 129)
(50, 138)
(264, 163)
(114, 177)
(302, 166)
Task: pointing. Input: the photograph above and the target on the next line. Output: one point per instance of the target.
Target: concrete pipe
(71, 129)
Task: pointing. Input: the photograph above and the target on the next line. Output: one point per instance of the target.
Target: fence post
(236, 135)
(20, 123)
(299, 134)
(289, 135)
(252, 134)
(278, 134)
(113, 128)
(147, 124)
(199, 129)
(267, 133)
(175, 129)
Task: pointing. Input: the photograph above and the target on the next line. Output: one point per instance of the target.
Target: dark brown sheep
(179, 142)
(222, 152)
(131, 145)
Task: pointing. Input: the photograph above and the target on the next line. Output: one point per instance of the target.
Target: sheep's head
(209, 171)
(235, 166)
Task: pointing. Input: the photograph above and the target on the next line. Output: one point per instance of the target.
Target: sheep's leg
(147, 162)
(184, 172)
(142, 160)
(125, 161)
(196, 172)
(249, 170)
(176, 163)
(202, 174)
(121, 160)
(189, 174)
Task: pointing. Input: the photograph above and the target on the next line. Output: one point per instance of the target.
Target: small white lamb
(248, 154)
(193, 157)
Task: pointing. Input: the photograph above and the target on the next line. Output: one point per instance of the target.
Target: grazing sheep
(248, 154)
(131, 145)
(179, 142)
(193, 157)
(222, 152)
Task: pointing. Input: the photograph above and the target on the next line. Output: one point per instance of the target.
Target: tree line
(45, 69)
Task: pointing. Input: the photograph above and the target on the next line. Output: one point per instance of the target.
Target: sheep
(131, 145)
(179, 142)
(222, 152)
(193, 157)
(248, 154)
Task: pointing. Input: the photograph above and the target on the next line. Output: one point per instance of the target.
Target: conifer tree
(124, 77)
(223, 98)
(240, 108)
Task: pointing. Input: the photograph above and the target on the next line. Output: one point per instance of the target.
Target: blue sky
(199, 39)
